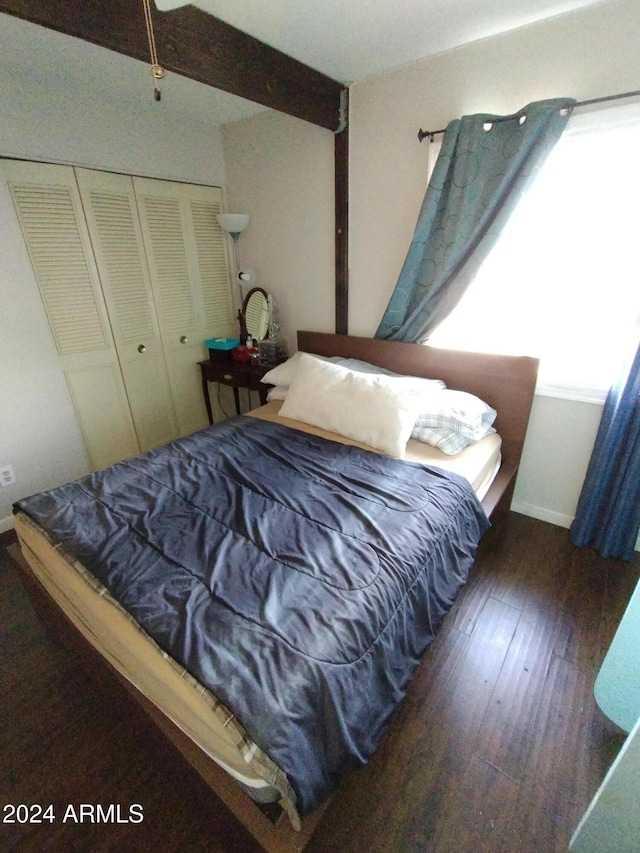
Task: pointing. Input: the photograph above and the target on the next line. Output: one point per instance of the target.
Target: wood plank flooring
(498, 746)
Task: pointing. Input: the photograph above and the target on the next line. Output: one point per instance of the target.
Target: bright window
(563, 282)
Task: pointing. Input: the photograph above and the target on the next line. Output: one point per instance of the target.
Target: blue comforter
(299, 579)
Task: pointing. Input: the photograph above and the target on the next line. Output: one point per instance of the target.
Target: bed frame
(506, 383)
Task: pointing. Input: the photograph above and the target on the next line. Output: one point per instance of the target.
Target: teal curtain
(483, 169)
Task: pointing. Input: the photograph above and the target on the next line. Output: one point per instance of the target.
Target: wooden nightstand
(237, 374)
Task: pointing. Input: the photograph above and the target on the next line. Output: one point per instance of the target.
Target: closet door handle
(142, 348)
(183, 339)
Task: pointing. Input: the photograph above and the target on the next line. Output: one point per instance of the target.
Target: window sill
(595, 396)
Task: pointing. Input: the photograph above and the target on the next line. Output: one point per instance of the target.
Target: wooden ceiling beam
(198, 46)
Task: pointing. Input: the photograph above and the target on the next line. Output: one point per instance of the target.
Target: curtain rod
(423, 134)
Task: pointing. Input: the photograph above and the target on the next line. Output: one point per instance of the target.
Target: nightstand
(237, 374)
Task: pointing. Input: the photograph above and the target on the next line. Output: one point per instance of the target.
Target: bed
(245, 726)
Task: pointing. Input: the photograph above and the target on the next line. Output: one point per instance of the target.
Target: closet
(133, 274)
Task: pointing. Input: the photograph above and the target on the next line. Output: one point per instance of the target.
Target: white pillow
(376, 410)
(359, 366)
(278, 392)
(282, 374)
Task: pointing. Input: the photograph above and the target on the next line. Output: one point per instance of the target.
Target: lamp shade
(233, 223)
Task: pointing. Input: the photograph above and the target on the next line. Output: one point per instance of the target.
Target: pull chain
(156, 69)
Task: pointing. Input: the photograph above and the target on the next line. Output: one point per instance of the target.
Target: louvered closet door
(190, 280)
(114, 228)
(50, 213)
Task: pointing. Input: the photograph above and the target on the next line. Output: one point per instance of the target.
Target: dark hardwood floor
(497, 747)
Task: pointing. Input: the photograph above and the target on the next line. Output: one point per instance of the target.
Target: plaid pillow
(454, 420)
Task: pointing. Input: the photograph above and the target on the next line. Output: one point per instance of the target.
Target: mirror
(255, 314)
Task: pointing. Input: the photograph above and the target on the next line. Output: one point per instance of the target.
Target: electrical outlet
(7, 477)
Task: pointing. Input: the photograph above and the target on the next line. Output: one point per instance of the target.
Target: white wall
(48, 116)
(583, 55)
(280, 172)
(559, 442)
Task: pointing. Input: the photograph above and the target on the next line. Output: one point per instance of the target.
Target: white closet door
(114, 228)
(189, 274)
(212, 263)
(51, 216)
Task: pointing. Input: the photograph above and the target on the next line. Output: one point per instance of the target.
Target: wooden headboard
(507, 383)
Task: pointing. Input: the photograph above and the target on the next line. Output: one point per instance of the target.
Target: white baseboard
(6, 524)
(542, 513)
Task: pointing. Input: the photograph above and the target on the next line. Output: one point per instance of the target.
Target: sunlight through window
(563, 282)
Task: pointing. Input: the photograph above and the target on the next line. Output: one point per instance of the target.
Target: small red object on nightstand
(241, 353)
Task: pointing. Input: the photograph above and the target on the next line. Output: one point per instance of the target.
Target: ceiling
(352, 40)
(33, 58)
(348, 40)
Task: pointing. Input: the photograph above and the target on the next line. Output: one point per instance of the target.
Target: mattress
(180, 696)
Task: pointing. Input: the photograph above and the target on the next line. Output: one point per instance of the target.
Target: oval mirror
(255, 312)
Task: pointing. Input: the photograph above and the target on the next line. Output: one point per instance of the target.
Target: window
(563, 282)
